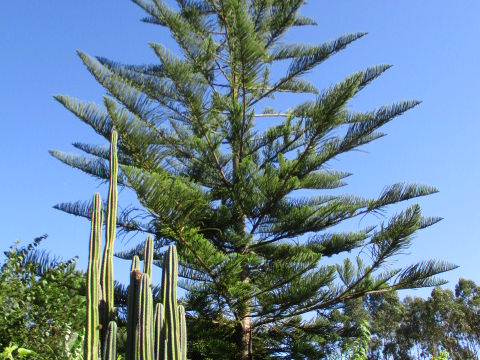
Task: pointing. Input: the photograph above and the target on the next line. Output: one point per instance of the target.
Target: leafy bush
(42, 303)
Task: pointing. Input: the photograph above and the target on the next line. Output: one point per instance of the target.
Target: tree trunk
(244, 338)
(244, 328)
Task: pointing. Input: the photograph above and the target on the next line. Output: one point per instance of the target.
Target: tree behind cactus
(225, 191)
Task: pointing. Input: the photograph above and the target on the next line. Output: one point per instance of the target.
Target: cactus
(159, 334)
(92, 330)
(100, 332)
(132, 305)
(169, 300)
(144, 326)
(110, 348)
(183, 332)
(148, 257)
(106, 276)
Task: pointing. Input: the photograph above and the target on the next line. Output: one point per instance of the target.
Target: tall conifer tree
(226, 193)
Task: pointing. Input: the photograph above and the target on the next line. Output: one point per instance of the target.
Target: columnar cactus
(151, 335)
(144, 327)
(159, 332)
(92, 329)
(100, 332)
(135, 276)
(159, 335)
(106, 280)
(183, 332)
(169, 300)
(109, 350)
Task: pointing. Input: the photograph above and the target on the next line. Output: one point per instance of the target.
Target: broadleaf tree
(228, 193)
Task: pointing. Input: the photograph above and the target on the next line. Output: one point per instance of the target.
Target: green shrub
(42, 304)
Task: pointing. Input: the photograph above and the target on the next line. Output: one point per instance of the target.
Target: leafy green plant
(11, 350)
(360, 346)
(41, 300)
(358, 350)
(443, 356)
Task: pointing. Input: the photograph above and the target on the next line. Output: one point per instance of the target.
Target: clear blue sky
(433, 45)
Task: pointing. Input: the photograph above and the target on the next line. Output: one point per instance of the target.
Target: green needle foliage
(231, 195)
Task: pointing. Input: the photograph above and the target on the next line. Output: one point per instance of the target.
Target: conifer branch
(272, 115)
(288, 17)
(207, 269)
(347, 88)
(303, 64)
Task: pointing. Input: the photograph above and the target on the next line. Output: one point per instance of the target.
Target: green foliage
(443, 356)
(228, 193)
(11, 350)
(359, 348)
(41, 304)
(444, 326)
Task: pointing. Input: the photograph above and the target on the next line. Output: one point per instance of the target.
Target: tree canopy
(416, 328)
(249, 209)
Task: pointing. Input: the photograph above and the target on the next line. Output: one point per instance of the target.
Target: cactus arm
(159, 331)
(132, 305)
(135, 264)
(183, 332)
(107, 262)
(163, 289)
(110, 349)
(145, 320)
(92, 331)
(148, 257)
(171, 312)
